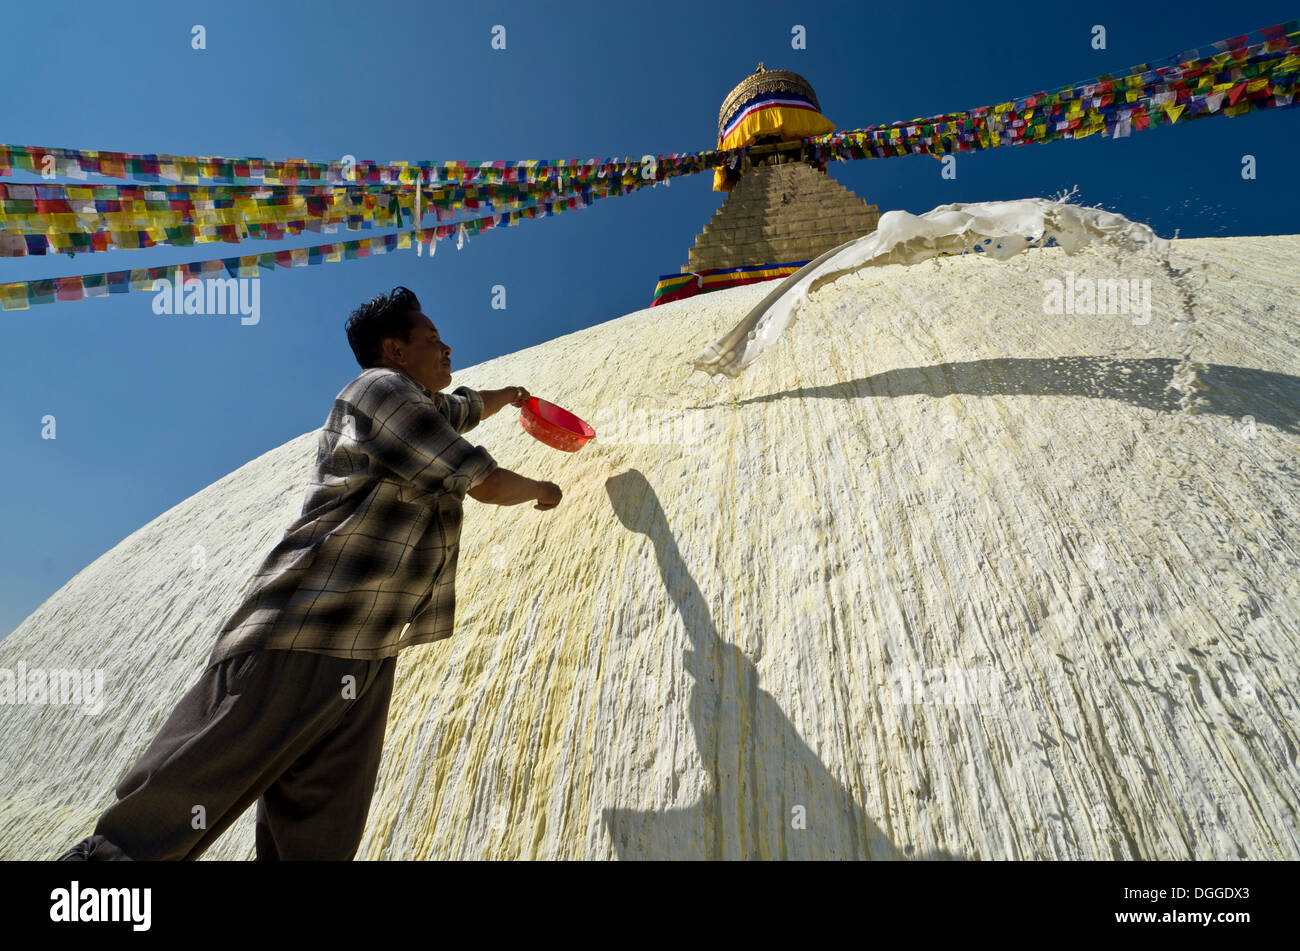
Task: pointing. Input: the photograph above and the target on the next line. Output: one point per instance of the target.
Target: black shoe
(78, 853)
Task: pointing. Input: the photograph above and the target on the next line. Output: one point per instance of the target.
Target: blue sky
(152, 409)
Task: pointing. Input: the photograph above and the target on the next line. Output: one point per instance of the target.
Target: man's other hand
(504, 487)
(548, 495)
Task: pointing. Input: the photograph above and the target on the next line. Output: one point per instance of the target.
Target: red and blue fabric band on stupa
(680, 286)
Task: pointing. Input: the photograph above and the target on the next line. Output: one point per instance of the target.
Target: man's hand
(504, 487)
(494, 400)
(548, 495)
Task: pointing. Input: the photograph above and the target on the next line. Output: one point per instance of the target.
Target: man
(292, 707)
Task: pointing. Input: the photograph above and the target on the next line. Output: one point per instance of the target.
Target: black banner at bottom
(572, 900)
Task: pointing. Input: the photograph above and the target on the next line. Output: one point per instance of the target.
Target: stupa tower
(782, 207)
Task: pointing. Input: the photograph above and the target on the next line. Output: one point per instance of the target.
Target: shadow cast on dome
(756, 785)
(1270, 398)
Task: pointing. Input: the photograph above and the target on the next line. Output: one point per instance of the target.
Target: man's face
(424, 358)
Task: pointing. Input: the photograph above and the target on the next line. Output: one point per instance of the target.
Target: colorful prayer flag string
(1232, 77)
(41, 219)
(20, 295)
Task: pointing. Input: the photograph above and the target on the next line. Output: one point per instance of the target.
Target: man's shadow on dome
(756, 790)
(1269, 398)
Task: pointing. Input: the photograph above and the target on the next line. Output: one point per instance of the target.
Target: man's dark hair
(388, 315)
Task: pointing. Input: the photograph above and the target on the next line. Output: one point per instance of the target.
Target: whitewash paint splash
(1000, 229)
(942, 574)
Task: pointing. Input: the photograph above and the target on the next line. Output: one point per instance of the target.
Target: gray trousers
(281, 728)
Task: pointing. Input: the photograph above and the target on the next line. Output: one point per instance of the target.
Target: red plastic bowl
(556, 427)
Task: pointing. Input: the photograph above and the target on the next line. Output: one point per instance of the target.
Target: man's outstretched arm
(504, 487)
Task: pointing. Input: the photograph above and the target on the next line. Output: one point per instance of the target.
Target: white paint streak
(1000, 229)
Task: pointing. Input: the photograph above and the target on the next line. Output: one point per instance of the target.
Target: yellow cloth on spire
(786, 121)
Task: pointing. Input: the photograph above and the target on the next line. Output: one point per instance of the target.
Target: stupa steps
(793, 211)
(741, 206)
(770, 186)
(779, 252)
(776, 199)
(789, 222)
(835, 233)
(805, 216)
(789, 174)
(775, 251)
(771, 253)
(781, 241)
(780, 213)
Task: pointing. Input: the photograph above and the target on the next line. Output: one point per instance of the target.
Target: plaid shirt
(369, 567)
